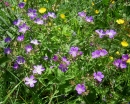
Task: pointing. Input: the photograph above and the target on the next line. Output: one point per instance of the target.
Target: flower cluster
(121, 63)
(30, 81)
(87, 18)
(99, 53)
(111, 33)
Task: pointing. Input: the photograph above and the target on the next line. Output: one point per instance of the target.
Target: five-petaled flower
(38, 69)
(32, 13)
(20, 60)
(20, 38)
(80, 88)
(30, 81)
(28, 48)
(23, 28)
(7, 50)
(98, 76)
(21, 5)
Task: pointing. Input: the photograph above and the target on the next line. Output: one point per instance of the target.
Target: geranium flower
(30, 81)
(98, 76)
(80, 88)
(21, 5)
(38, 69)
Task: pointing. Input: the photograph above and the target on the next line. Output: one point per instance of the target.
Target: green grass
(56, 37)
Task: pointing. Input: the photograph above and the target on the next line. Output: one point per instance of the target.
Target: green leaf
(3, 59)
(3, 20)
(10, 34)
(105, 2)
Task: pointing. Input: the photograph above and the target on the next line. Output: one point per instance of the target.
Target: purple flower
(99, 53)
(80, 88)
(20, 60)
(38, 21)
(111, 33)
(89, 18)
(35, 42)
(38, 69)
(64, 64)
(28, 48)
(82, 14)
(15, 65)
(30, 81)
(52, 66)
(23, 28)
(20, 38)
(117, 63)
(55, 58)
(98, 76)
(64, 59)
(100, 32)
(17, 22)
(7, 4)
(63, 67)
(96, 54)
(123, 65)
(21, 5)
(74, 51)
(32, 13)
(120, 64)
(103, 52)
(51, 14)
(7, 50)
(7, 40)
(125, 57)
(45, 57)
(45, 16)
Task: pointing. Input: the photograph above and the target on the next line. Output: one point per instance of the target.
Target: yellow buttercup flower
(124, 43)
(96, 11)
(62, 16)
(128, 61)
(111, 57)
(49, 23)
(12, 8)
(42, 10)
(93, 4)
(120, 21)
(25, 0)
(112, 1)
(118, 53)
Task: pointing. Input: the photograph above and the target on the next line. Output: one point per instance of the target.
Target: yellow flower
(25, 0)
(111, 57)
(62, 16)
(96, 11)
(93, 4)
(49, 23)
(113, 2)
(118, 53)
(42, 10)
(120, 21)
(128, 61)
(12, 8)
(124, 43)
